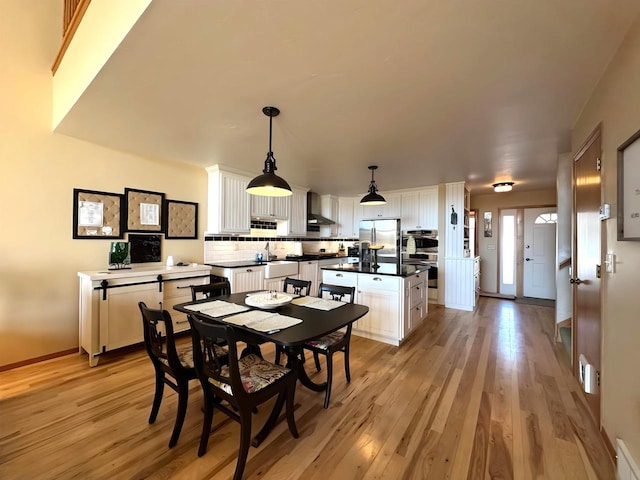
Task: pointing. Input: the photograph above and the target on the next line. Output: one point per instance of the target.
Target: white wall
(38, 280)
(564, 292)
(616, 103)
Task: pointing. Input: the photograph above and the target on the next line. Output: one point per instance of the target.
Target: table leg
(295, 363)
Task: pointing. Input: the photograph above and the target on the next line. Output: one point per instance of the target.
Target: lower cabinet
(397, 305)
(309, 270)
(109, 316)
(462, 283)
(242, 279)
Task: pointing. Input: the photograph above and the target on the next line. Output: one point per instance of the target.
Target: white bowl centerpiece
(268, 300)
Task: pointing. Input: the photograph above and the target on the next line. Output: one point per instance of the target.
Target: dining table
(314, 322)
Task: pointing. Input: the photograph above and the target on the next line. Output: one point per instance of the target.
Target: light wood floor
(470, 395)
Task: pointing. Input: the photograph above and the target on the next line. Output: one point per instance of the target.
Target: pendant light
(502, 187)
(269, 184)
(373, 197)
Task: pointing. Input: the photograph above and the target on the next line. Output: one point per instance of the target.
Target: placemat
(263, 321)
(217, 308)
(317, 303)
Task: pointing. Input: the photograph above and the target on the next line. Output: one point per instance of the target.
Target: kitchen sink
(280, 268)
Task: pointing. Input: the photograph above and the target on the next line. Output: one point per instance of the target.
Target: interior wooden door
(587, 331)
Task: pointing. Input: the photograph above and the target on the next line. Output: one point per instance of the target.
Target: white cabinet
(109, 316)
(429, 208)
(274, 284)
(298, 213)
(397, 305)
(229, 202)
(382, 294)
(420, 209)
(179, 291)
(329, 209)
(391, 209)
(309, 270)
(416, 302)
(348, 221)
(270, 207)
(462, 283)
(242, 279)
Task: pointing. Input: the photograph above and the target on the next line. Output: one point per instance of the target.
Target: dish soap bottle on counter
(341, 249)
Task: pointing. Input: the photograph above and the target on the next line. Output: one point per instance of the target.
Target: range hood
(313, 211)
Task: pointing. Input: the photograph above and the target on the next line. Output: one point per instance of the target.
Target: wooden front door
(587, 330)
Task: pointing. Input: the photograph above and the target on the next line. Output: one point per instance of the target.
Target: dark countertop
(310, 256)
(384, 269)
(237, 264)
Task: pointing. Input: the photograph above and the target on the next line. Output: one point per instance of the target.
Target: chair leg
(183, 400)
(206, 425)
(316, 359)
(157, 398)
(291, 420)
(278, 352)
(329, 378)
(347, 370)
(245, 439)
(271, 421)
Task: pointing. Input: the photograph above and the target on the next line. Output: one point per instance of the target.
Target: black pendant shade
(373, 197)
(269, 184)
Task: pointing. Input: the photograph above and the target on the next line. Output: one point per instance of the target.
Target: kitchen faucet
(266, 247)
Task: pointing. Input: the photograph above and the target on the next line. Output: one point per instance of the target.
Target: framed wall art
(488, 229)
(629, 189)
(181, 219)
(97, 215)
(144, 210)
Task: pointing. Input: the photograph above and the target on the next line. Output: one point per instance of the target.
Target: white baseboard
(627, 467)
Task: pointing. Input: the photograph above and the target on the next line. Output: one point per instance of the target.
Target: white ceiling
(431, 91)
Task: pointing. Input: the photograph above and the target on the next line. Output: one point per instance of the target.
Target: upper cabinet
(298, 212)
(229, 202)
(277, 208)
(420, 209)
(329, 209)
(348, 221)
(391, 209)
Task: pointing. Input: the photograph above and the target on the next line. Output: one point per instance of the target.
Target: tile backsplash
(220, 248)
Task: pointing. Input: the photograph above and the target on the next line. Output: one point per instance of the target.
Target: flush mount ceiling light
(502, 187)
(373, 197)
(269, 184)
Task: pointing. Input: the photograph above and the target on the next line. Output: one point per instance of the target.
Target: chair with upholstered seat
(173, 366)
(298, 287)
(218, 286)
(243, 383)
(337, 341)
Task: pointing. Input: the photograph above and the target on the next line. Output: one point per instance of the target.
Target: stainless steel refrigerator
(380, 232)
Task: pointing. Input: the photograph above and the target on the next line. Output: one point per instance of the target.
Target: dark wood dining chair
(338, 341)
(218, 286)
(297, 287)
(173, 367)
(243, 383)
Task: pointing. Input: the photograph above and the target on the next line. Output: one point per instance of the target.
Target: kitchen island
(396, 297)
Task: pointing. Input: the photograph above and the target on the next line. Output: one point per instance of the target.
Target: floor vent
(627, 468)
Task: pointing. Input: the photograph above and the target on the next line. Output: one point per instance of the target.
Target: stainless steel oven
(420, 247)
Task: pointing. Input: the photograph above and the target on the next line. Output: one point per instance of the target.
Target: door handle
(576, 281)
(528, 259)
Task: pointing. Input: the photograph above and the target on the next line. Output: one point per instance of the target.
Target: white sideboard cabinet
(109, 316)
